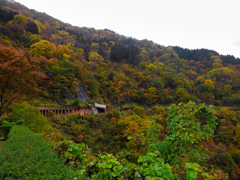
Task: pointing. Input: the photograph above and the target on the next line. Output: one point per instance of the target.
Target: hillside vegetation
(167, 132)
(113, 67)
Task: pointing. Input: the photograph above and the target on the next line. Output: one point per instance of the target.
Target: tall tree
(18, 74)
(43, 48)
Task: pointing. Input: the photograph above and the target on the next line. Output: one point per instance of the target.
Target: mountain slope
(114, 68)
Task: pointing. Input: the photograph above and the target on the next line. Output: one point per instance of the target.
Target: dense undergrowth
(26, 156)
(187, 140)
(114, 69)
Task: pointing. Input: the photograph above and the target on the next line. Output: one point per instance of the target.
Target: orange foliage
(19, 75)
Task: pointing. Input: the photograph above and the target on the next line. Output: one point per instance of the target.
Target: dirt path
(1, 144)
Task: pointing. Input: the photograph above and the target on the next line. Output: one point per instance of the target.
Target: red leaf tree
(18, 75)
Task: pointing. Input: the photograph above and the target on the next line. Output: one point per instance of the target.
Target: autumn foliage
(19, 75)
(137, 79)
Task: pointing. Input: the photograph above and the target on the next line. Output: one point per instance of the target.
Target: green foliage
(236, 156)
(76, 103)
(189, 126)
(150, 166)
(153, 167)
(30, 116)
(26, 156)
(146, 64)
(63, 80)
(75, 155)
(80, 51)
(109, 167)
(138, 110)
(4, 131)
(6, 126)
(117, 69)
(194, 170)
(63, 33)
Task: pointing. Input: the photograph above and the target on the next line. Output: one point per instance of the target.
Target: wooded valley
(172, 112)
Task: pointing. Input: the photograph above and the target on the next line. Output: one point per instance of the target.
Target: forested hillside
(111, 66)
(43, 59)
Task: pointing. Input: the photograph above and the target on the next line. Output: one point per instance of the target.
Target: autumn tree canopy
(18, 76)
(43, 48)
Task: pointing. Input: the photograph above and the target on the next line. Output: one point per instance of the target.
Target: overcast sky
(211, 24)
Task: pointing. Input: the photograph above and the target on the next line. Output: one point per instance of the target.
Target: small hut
(99, 108)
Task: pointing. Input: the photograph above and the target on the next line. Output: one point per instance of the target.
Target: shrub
(4, 131)
(6, 126)
(26, 156)
(30, 116)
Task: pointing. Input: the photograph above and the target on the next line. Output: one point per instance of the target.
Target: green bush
(30, 116)
(26, 156)
(6, 126)
(4, 131)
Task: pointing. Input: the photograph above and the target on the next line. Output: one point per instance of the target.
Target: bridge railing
(65, 111)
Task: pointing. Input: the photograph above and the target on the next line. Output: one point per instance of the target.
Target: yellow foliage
(132, 129)
(35, 38)
(121, 84)
(40, 26)
(159, 110)
(218, 61)
(138, 110)
(46, 25)
(94, 46)
(215, 57)
(122, 76)
(169, 49)
(43, 48)
(6, 41)
(182, 94)
(217, 65)
(200, 79)
(112, 43)
(62, 50)
(80, 50)
(191, 72)
(55, 36)
(95, 57)
(65, 56)
(57, 25)
(183, 62)
(143, 53)
(136, 125)
(151, 94)
(227, 71)
(209, 83)
(20, 19)
(150, 66)
(104, 44)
